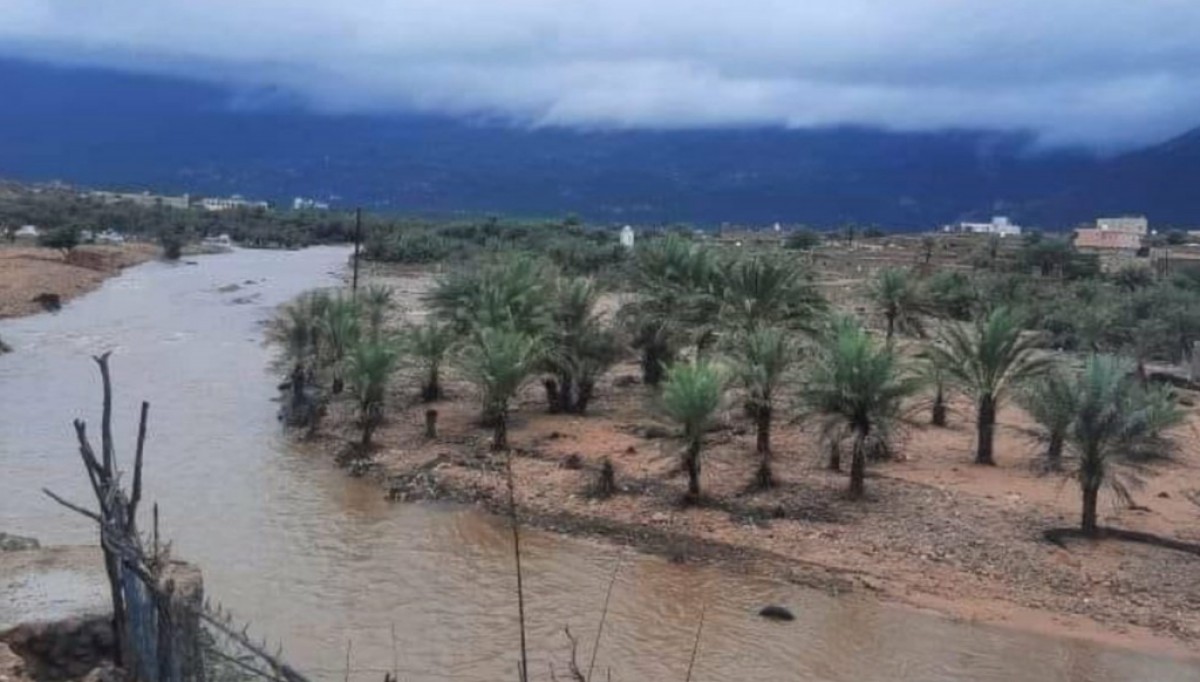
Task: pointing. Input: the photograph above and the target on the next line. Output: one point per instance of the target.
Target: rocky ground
(27, 273)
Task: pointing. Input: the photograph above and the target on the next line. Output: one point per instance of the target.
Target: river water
(323, 564)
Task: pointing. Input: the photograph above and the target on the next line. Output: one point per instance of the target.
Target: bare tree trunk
(986, 431)
(765, 478)
(891, 326)
(1089, 526)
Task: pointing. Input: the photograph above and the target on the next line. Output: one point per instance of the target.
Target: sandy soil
(26, 272)
(936, 531)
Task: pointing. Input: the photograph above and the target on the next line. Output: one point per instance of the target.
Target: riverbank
(27, 273)
(935, 532)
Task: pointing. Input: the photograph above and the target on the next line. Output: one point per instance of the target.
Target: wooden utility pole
(357, 242)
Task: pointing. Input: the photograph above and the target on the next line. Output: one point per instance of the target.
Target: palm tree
(1050, 400)
(340, 331)
(499, 361)
(935, 375)
(763, 290)
(678, 287)
(896, 298)
(859, 384)
(763, 358)
(377, 300)
(988, 360)
(581, 346)
(369, 367)
(429, 343)
(1101, 426)
(691, 395)
(298, 330)
(511, 291)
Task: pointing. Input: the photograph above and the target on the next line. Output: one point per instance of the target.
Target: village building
(1000, 225)
(144, 199)
(229, 203)
(627, 237)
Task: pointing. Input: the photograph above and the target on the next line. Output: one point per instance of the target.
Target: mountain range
(112, 130)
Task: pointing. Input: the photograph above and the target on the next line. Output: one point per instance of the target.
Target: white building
(303, 204)
(227, 203)
(28, 231)
(1137, 224)
(1000, 225)
(110, 237)
(220, 240)
(144, 199)
(627, 237)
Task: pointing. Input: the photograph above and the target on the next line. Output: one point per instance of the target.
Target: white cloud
(1103, 72)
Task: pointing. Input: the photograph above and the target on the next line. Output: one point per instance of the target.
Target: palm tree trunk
(692, 463)
(500, 431)
(939, 408)
(858, 464)
(1088, 525)
(986, 430)
(586, 388)
(891, 326)
(1054, 452)
(553, 401)
(565, 394)
(432, 390)
(765, 477)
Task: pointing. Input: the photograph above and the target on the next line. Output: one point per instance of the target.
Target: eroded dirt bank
(29, 272)
(936, 531)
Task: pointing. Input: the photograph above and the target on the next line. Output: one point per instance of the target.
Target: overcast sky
(1107, 73)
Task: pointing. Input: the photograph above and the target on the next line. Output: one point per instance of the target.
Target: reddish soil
(27, 272)
(936, 530)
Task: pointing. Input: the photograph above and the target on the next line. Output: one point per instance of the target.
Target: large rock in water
(776, 612)
(16, 543)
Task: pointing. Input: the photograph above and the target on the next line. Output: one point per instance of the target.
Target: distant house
(1125, 224)
(627, 237)
(1000, 225)
(305, 204)
(28, 231)
(1097, 239)
(110, 237)
(228, 203)
(221, 240)
(144, 199)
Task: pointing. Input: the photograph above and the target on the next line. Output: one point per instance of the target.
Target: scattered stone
(16, 543)
(1164, 495)
(631, 450)
(653, 431)
(228, 288)
(49, 301)
(776, 612)
(573, 462)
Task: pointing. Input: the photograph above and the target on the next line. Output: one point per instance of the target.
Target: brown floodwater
(321, 562)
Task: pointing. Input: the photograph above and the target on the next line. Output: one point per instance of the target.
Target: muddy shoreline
(27, 273)
(936, 532)
(464, 472)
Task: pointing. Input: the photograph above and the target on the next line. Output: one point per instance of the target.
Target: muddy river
(322, 563)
